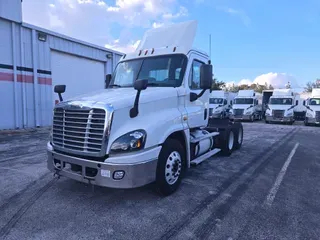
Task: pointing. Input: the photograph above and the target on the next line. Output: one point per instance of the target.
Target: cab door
(198, 110)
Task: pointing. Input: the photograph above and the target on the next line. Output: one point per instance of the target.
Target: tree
(217, 85)
(310, 85)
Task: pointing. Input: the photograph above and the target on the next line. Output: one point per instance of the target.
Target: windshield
(216, 100)
(163, 71)
(243, 101)
(314, 101)
(280, 101)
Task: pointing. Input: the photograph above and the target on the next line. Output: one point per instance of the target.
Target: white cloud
(93, 20)
(238, 13)
(277, 80)
(245, 82)
(157, 25)
(128, 48)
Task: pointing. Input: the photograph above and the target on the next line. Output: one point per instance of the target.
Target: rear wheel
(171, 166)
(238, 137)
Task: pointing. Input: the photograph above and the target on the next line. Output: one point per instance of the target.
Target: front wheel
(227, 142)
(170, 168)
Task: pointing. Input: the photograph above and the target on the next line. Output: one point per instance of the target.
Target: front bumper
(283, 119)
(136, 174)
(240, 117)
(312, 120)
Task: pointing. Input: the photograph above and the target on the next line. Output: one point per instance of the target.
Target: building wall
(26, 71)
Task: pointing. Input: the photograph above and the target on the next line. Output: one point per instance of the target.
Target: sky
(261, 41)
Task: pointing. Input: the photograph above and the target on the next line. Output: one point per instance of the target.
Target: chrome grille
(238, 112)
(278, 113)
(80, 130)
(318, 116)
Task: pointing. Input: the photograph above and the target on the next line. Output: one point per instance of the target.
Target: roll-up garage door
(80, 75)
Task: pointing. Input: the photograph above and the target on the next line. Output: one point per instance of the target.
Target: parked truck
(281, 106)
(247, 105)
(313, 108)
(220, 103)
(150, 124)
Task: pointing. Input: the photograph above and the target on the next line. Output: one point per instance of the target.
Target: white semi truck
(281, 106)
(247, 105)
(150, 123)
(313, 108)
(220, 103)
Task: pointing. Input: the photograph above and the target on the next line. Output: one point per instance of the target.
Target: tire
(172, 159)
(238, 139)
(267, 122)
(227, 142)
(306, 122)
(252, 118)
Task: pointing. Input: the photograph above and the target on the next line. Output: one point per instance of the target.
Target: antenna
(210, 46)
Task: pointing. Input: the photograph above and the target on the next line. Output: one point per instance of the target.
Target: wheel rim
(173, 168)
(240, 136)
(231, 140)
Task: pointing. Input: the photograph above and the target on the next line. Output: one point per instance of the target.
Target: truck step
(195, 140)
(205, 156)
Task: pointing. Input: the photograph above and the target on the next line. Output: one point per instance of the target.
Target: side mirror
(297, 102)
(108, 79)
(140, 84)
(304, 102)
(60, 89)
(206, 76)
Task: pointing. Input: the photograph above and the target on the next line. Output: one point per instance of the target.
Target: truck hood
(124, 97)
(241, 106)
(314, 107)
(281, 107)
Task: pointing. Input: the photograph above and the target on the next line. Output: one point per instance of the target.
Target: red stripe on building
(44, 81)
(6, 77)
(25, 78)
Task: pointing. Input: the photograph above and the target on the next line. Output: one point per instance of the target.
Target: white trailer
(220, 103)
(313, 108)
(149, 125)
(247, 105)
(281, 106)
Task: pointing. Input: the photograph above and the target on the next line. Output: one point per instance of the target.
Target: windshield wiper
(154, 84)
(114, 85)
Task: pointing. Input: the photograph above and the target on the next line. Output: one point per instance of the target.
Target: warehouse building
(33, 60)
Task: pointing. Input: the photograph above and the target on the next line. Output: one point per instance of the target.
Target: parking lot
(269, 189)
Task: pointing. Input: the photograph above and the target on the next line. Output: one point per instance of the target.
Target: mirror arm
(194, 96)
(135, 110)
(60, 97)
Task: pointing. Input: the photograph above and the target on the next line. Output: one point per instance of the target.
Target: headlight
(217, 111)
(249, 113)
(268, 114)
(289, 114)
(309, 114)
(132, 141)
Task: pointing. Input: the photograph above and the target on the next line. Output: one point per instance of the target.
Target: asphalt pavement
(269, 189)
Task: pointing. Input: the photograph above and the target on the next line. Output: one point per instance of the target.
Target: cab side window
(194, 76)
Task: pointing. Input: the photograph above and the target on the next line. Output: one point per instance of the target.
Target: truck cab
(220, 103)
(312, 105)
(247, 106)
(281, 106)
(150, 124)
